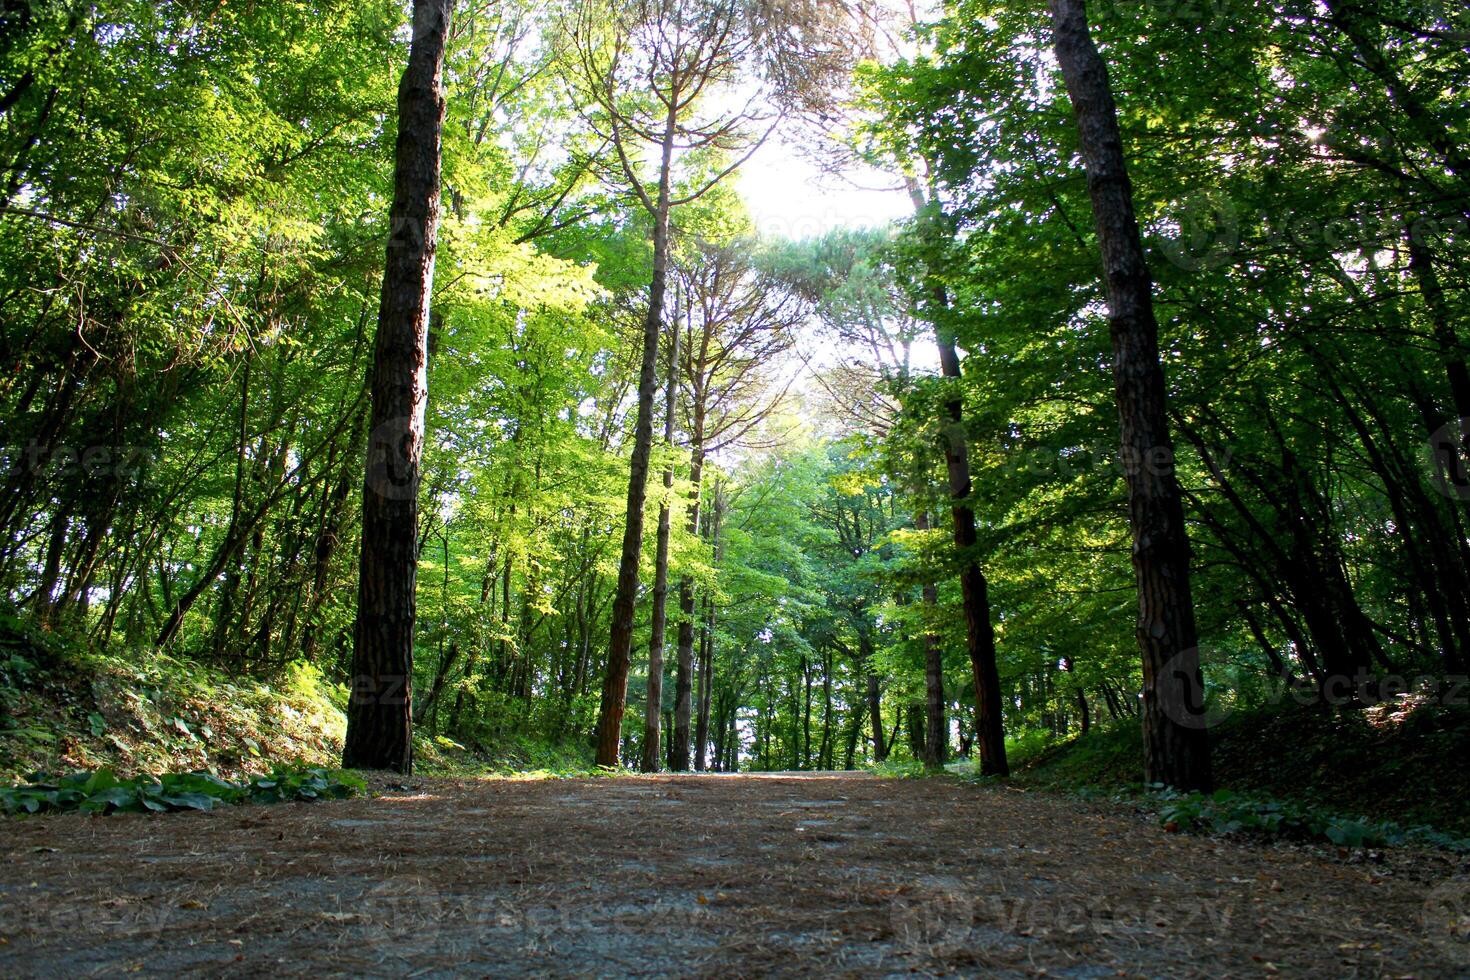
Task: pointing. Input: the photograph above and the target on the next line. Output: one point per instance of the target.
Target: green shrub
(1224, 812)
(896, 768)
(103, 792)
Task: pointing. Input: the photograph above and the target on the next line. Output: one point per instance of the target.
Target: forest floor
(737, 875)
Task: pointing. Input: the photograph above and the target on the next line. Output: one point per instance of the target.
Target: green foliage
(1225, 812)
(1394, 773)
(517, 754)
(102, 792)
(80, 706)
(194, 219)
(895, 768)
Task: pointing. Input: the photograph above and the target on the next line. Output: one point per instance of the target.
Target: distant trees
(193, 387)
(861, 300)
(737, 324)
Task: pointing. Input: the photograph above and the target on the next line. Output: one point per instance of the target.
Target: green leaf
(102, 779)
(115, 796)
(192, 801)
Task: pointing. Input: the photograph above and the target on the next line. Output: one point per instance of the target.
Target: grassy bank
(1404, 765)
(67, 706)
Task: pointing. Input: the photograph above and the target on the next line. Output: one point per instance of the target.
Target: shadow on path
(710, 875)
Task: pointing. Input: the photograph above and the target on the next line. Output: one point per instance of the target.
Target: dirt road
(708, 876)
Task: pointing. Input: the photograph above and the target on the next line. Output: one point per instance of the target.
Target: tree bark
(936, 731)
(1176, 747)
(824, 751)
(707, 648)
(379, 714)
(653, 705)
(880, 746)
(918, 737)
(854, 730)
(684, 674)
(615, 680)
(974, 589)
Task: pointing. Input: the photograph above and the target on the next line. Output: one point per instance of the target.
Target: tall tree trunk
(974, 589)
(620, 646)
(1452, 448)
(684, 674)
(653, 705)
(854, 730)
(732, 742)
(824, 752)
(865, 646)
(1084, 713)
(702, 676)
(707, 648)
(936, 731)
(379, 711)
(918, 741)
(806, 715)
(1176, 747)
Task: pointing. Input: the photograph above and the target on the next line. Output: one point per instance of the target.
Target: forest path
(702, 875)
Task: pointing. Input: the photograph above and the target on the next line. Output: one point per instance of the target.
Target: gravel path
(741, 875)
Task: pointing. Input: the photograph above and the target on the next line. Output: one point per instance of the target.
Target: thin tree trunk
(1176, 747)
(620, 646)
(684, 674)
(806, 715)
(936, 743)
(853, 731)
(974, 589)
(379, 710)
(1084, 713)
(918, 741)
(880, 746)
(653, 706)
(707, 650)
(824, 753)
(732, 743)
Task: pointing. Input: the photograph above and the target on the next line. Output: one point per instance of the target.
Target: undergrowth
(518, 756)
(1289, 772)
(1402, 768)
(901, 768)
(66, 705)
(1225, 812)
(103, 792)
